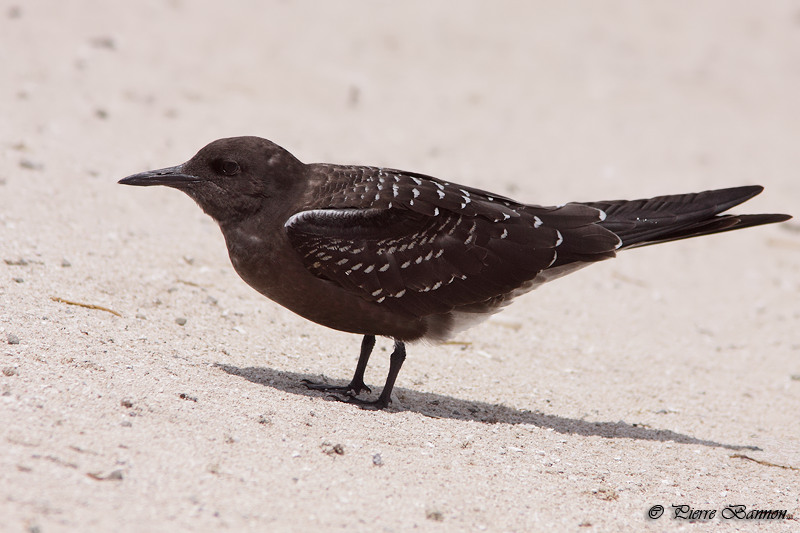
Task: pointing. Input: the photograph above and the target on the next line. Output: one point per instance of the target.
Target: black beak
(171, 177)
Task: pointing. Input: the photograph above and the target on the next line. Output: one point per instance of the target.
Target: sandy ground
(669, 376)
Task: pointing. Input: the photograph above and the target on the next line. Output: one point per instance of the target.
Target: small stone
(65, 263)
(434, 514)
(181, 321)
(377, 460)
(12, 339)
(332, 449)
(30, 165)
(125, 402)
(16, 262)
(184, 396)
(19, 280)
(10, 371)
(103, 41)
(116, 475)
(140, 316)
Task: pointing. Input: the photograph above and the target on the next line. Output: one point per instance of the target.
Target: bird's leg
(357, 383)
(395, 362)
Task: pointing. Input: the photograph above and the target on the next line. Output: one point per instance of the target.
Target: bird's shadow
(440, 406)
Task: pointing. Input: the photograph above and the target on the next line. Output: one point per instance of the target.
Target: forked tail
(680, 216)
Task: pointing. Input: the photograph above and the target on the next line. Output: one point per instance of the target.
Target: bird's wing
(424, 247)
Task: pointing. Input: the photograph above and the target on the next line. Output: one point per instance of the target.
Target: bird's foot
(352, 389)
(369, 405)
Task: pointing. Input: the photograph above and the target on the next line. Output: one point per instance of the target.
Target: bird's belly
(280, 276)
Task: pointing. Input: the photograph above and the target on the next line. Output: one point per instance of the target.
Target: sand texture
(668, 376)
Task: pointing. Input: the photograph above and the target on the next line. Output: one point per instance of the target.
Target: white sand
(636, 382)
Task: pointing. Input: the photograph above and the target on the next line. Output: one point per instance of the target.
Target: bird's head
(231, 178)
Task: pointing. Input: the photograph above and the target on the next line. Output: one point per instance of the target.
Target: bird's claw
(367, 405)
(352, 389)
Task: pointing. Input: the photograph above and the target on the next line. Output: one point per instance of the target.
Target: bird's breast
(267, 262)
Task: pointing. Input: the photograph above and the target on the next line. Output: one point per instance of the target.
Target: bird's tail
(680, 216)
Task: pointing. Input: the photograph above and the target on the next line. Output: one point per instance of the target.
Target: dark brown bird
(377, 251)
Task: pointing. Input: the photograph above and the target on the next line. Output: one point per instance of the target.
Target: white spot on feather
(406, 264)
(560, 238)
(384, 268)
(537, 222)
(369, 269)
(504, 234)
(441, 194)
(399, 294)
(417, 181)
(377, 292)
(415, 192)
(435, 211)
(602, 215)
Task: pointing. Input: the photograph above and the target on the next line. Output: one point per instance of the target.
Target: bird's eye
(229, 168)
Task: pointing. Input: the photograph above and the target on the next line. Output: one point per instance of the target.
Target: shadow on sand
(439, 406)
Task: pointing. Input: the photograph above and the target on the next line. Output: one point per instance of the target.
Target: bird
(383, 252)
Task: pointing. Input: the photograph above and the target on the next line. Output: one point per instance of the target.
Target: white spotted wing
(423, 246)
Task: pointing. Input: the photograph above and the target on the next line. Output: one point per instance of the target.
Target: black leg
(395, 363)
(357, 383)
